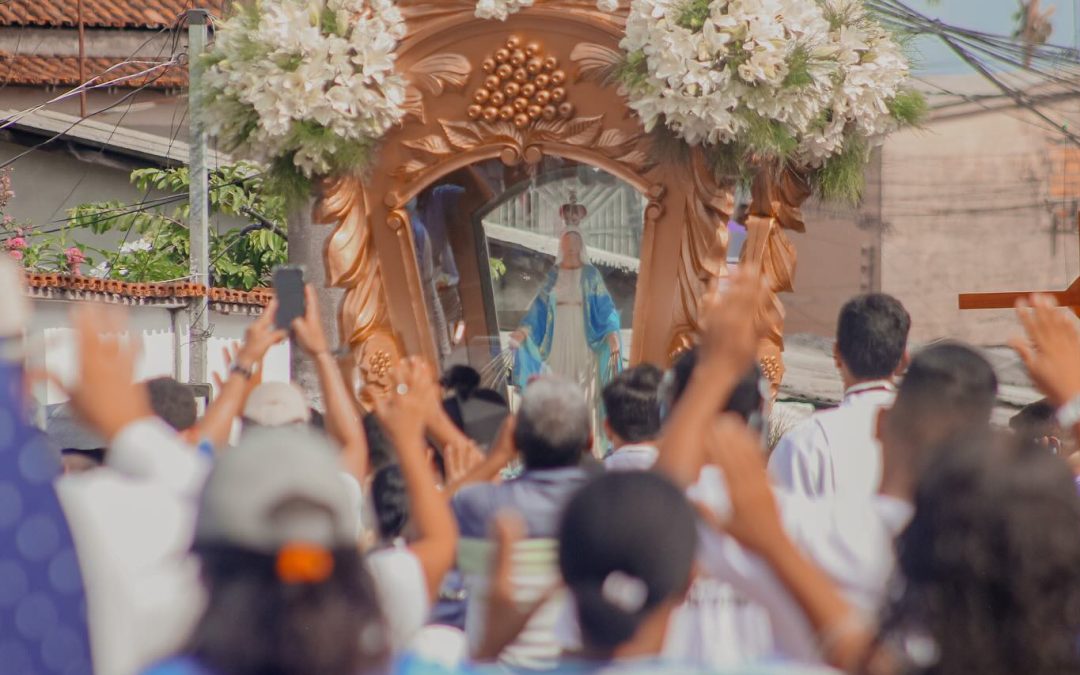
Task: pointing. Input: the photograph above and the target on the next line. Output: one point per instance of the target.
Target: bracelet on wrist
(247, 372)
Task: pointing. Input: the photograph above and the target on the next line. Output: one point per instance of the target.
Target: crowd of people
(900, 532)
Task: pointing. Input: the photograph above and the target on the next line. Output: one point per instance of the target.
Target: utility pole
(199, 220)
(82, 57)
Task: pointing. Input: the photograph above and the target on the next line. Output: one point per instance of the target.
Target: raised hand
(1051, 351)
(404, 410)
(230, 355)
(308, 329)
(259, 337)
(460, 459)
(732, 327)
(731, 320)
(105, 395)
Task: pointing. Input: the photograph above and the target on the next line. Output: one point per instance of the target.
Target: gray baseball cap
(277, 487)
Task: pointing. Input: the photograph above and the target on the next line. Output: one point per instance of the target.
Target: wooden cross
(1070, 298)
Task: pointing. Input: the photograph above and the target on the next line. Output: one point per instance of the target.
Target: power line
(76, 123)
(120, 212)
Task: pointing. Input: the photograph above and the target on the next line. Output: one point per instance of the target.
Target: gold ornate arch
(447, 57)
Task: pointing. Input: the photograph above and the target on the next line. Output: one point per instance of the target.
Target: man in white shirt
(949, 390)
(631, 402)
(835, 452)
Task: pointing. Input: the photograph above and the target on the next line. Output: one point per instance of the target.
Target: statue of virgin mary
(572, 327)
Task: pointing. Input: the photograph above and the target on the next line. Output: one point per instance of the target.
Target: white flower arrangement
(499, 9)
(872, 71)
(502, 9)
(305, 86)
(802, 82)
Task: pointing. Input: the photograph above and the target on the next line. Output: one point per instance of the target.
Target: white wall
(51, 347)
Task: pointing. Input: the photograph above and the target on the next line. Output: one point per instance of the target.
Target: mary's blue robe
(601, 320)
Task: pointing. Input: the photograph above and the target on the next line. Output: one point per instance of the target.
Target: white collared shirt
(835, 452)
(632, 457)
(850, 538)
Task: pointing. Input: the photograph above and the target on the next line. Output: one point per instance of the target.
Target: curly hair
(990, 565)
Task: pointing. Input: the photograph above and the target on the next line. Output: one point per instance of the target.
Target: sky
(993, 16)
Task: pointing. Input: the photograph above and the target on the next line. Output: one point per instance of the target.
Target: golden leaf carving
(462, 135)
(413, 105)
(616, 141)
(582, 131)
(410, 168)
(433, 144)
(596, 63)
(440, 72)
(637, 160)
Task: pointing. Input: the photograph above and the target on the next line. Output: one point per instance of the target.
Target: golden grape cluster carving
(521, 85)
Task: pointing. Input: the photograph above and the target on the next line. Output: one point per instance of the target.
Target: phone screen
(289, 289)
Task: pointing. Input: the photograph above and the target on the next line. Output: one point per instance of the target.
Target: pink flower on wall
(75, 257)
(15, 254)
(16, 243)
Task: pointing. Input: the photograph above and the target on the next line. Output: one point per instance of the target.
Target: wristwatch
(247, 371)
(1068, 415)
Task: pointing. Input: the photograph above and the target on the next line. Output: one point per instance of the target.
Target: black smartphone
(289, 290)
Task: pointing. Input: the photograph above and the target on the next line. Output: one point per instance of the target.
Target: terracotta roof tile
(258, 297)
(32, 70)
(102, 13)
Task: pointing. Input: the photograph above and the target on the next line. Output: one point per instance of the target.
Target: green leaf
(841, 178)
(909, 107)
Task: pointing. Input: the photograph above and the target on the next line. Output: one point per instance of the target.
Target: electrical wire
(115, 104)
(120, 212)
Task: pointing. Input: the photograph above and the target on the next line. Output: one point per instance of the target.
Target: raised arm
(243, 376)
(342, 420)
(108, 400)
(729, 346)
(1051, 353)
(843, 636)
(402, 415)
(502, 452)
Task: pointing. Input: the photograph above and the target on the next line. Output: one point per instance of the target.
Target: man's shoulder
(473, 505)
(806, 436)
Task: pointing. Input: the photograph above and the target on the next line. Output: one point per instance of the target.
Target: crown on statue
(572, 210)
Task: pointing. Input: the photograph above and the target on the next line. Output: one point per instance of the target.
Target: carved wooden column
(775, 207)
(706, 210)
(352, 263)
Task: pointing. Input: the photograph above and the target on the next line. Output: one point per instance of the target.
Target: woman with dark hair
(288, 591)
(626, 577)
(991, 567)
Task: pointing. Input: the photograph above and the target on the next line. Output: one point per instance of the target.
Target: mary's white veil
(572, 232)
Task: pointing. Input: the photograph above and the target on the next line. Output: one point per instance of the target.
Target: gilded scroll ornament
(352, 263)
(775, 207)
(703, 254)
